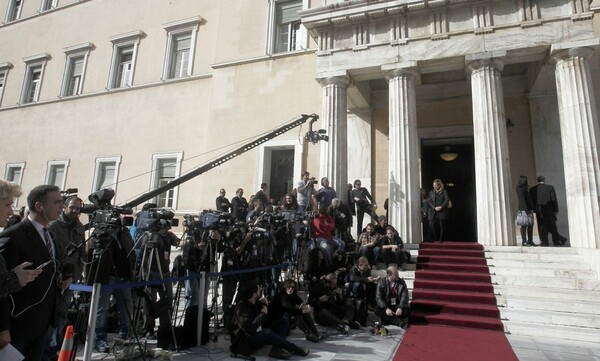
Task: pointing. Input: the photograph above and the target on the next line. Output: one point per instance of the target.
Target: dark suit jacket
(544, 199)
(22, 243)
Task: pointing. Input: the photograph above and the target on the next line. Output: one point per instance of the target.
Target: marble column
(580, 136)
(404, 187)
(334, 118)
(495, 223)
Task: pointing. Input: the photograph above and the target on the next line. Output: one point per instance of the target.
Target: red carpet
(444, 343)
(453, 309)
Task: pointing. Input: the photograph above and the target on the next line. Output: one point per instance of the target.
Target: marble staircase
(546, 292)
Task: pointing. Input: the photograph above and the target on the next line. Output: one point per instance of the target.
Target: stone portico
(396, 58)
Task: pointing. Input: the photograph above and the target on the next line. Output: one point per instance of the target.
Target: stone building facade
(97, 93)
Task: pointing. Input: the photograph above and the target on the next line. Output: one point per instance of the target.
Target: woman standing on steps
(525, 212)
(438, 210)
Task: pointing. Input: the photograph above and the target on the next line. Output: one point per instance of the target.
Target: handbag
(524, 219)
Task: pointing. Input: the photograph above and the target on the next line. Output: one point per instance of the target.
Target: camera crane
(312, 136)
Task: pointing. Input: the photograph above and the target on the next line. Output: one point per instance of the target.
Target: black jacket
(383, 294)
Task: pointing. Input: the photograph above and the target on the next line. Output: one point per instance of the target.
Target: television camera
(158, 219)
(105, 218)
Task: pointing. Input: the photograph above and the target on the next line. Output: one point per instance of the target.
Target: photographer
(306, 191)
(392, 299)
(331, 307)
(156, 245)
(342, 216)
(111, 261)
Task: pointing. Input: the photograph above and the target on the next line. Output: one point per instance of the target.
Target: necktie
(48, 241)
(394, 291)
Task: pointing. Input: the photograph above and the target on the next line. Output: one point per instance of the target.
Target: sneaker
(301, 351)
(150, 335)
(355, 325)
(279, 353)
(312, 337)
(102, 346)
(343, 329)
(123, 335)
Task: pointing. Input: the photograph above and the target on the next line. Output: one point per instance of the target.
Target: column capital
(337, 77)
(583, 49)
(490, 58)
(392, 70)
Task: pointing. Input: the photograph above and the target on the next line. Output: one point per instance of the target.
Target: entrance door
(458, 176)
(281, 180)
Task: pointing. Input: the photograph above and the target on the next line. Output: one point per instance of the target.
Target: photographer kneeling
(249, 316)
(331, 307)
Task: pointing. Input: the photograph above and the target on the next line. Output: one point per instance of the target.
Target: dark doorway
(282, 173)
(458, 176)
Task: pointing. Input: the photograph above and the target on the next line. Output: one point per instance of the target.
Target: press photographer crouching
(331, 307)
(110, 261)
(156, 245)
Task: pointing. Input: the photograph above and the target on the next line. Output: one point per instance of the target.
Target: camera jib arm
(312, 135)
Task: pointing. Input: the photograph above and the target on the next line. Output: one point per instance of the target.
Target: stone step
(546, 272)
(542, 303)
(547, 293)
(519, 263)
(499, 250)
(552, 331)
(540, 257)
(546, 282)
(544, 317)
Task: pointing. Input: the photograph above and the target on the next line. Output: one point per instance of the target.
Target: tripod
(99, 270)
(162, 308)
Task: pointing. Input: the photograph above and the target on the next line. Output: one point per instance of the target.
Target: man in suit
(26, 315)
(546, 209)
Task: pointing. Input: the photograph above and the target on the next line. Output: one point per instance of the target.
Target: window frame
(7, 169)
(154, 181)
(120, 42)
(33, 63)
(73, 53)
(4, 70)
(54, 163)
(47, 5)
(300, 35)
(98, 167)
(175, 29)
(13, 11)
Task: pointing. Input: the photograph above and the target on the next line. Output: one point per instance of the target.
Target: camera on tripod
(214, 219)
(106, 218)
(159, 219)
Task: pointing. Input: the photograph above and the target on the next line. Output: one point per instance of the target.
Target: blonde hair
(9, 190)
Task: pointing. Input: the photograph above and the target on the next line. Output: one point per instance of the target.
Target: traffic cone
(67, 347)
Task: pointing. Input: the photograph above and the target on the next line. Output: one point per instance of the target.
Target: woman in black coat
(525, 211)
(438, 210)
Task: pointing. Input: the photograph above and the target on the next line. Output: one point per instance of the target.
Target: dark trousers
(396, 257)
(336, 315)
(393, 320)
(548, 225)
(274, 335)
(360, 215)
(32, 347)
(437, 228)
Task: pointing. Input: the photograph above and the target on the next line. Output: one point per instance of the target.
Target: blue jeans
(124, 307)
(191, 290)
(274, 336)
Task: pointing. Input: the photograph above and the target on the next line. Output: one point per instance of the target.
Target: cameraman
(306, 191)
(331, 307)
(160, 241)
(111, 261)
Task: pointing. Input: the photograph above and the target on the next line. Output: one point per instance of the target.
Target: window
(181, 40)
(14, 174)
(165, 168)
(56, 173)
(286, 30)
(106, 173)
(123, 59)
(4, 68)
(75, 69)
(34, 73)
(48, 5)
(14, 10)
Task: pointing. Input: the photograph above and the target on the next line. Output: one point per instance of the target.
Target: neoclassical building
(95, 93)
